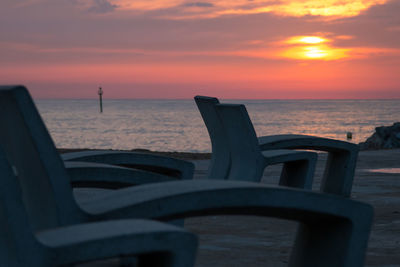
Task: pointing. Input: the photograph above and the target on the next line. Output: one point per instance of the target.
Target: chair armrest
(90, 174)
(181, 169)
(341, 163)
(168, 245)
(298, 166)
(335, 232)
(298, 141)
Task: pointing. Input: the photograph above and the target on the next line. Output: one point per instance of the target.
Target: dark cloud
(102, 6)
(372, 28)
(199, 4)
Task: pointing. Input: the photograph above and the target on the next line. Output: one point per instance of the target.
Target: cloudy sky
(224, 48)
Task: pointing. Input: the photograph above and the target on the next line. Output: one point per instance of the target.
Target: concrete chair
(342, 156)
(334, 230)
(50, 244)
(246, 158)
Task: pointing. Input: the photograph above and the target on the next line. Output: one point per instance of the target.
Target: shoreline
(180, 154)
(174, 154)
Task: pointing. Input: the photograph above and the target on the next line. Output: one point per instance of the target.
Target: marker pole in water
(101, 99)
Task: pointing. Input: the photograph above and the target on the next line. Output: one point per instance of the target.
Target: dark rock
(385, 137)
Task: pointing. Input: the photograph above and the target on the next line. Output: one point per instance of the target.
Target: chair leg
(330, 243)
(339, 172)
(160, 260)
(128, 261)
(298, 174)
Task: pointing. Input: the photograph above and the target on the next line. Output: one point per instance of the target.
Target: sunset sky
(224, 48)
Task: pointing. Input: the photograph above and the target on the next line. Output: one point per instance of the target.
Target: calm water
(176, 125)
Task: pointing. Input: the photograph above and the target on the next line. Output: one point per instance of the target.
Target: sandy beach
(255, 241)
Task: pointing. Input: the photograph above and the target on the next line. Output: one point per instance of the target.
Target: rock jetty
(385, 137)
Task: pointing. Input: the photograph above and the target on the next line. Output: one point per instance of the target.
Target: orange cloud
(326, 8)
(296, 8)
(306, 40)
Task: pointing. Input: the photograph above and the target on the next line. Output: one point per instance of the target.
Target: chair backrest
(220, 157)
(46, 190)
(246, 157)
(18, 246)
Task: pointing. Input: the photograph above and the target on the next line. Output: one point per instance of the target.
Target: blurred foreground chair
(334, 230)
(342, 156)
(50, 243)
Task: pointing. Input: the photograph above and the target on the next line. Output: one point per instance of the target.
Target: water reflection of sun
(313, 48)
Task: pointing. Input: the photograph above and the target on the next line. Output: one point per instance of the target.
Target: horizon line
(148, 98)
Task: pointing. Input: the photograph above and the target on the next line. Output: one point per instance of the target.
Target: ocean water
(176, 125)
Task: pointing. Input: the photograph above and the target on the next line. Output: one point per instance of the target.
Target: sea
(176, 125)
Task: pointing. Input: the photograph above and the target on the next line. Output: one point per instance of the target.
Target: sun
(312, 47)
(315, 52)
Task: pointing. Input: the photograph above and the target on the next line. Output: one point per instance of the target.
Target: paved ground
(228, 241)
(254, 241)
